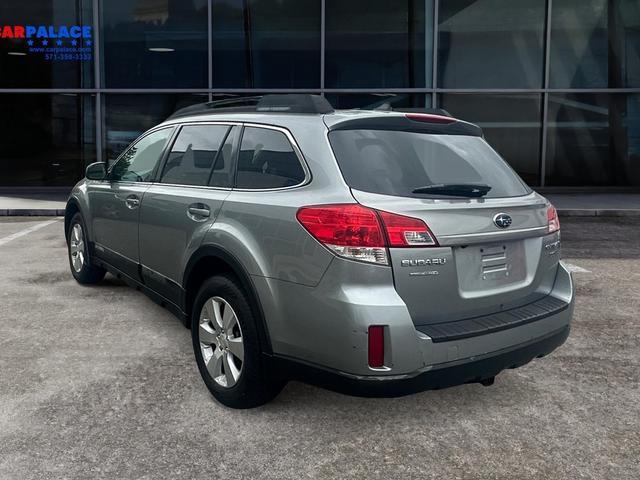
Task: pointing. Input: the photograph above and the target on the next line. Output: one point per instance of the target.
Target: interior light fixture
(161, 49)
(17, 54)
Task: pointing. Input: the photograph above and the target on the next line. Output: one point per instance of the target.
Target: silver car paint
(317, 306)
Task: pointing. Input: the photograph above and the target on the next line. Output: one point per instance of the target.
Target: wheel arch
(71, 209)
(212, 260)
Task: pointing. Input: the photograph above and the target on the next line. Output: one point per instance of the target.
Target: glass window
(594, 44)
(127, 116)
(266, 43)
(379, 100)
(400, 163)
(45, 140)
(375, 43)
(488, 44)
(193, 153)
(593, 140)
(511, 124)
(223, 170)
(139, 162)
(155, 44)
(267, 160)
(32, 58)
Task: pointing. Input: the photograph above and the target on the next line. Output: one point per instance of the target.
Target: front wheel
(226, 346)
(78, 249)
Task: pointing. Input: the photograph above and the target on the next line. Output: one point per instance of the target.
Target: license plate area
(490, 266)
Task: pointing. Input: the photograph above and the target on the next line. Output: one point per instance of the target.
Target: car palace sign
(53, 43)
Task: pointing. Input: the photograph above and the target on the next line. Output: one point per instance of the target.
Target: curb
(604, 212)
(32, 212)
(568, 212)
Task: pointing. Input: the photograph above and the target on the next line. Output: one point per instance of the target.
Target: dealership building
(555, 84)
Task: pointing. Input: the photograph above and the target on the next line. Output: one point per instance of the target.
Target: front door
(115, 202)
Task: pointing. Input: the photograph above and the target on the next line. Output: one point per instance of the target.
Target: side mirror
(96, 171)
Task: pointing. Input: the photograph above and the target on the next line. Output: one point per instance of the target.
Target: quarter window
(267, 160)
(193, 154)
(138, 163)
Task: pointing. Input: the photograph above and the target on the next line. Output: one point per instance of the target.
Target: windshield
(407, 164)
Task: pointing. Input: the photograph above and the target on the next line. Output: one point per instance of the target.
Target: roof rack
(281, 103)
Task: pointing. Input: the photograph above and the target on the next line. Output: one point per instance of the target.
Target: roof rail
(281, 103)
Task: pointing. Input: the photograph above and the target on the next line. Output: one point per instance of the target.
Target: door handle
(132, 201)
(198, 212)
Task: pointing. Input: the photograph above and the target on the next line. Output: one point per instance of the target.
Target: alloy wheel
(221, 341)
(76, 247)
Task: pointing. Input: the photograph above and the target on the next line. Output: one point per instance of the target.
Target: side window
(139, 161)
(193, 154)
(267, 160)
(222, 175)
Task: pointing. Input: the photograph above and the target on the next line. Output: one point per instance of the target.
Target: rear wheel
(78, 248)
(226, 346)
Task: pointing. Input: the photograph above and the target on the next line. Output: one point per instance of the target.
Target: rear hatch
(490, 229)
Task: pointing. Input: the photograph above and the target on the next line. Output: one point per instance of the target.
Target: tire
(216, 344)
(77, 249)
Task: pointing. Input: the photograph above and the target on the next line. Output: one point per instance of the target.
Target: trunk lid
(478, 268)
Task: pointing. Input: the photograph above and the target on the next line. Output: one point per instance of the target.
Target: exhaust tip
(487, 382)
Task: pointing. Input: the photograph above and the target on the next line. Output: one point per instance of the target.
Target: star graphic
(59, 42)
(45, 42)
(88, 43)
(29, 42)
(74, 43)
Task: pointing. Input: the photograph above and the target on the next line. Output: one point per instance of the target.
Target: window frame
(161, 160)
(294, 146)
(165, 157)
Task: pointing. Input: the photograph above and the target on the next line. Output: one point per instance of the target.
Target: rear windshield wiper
(456, 189)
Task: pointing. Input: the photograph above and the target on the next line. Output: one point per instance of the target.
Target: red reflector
(376, 346)
(552, 219)
(406, 231)
(429, 118)
(345, 225)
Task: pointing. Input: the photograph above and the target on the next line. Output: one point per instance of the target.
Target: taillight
(349, 230)
(360, 233)
(552, 219)
(406, 231)
(376, 346)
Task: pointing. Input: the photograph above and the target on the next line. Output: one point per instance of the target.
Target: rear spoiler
(412, 122)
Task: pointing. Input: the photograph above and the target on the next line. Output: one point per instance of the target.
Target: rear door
(180, 207)
(489, 254)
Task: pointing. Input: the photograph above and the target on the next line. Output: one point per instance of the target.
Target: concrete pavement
(100, 382)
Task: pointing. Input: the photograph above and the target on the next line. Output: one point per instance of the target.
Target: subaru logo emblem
(502, 220)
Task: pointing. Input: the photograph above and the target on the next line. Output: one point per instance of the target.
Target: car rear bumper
(471, 370)
(326, 327)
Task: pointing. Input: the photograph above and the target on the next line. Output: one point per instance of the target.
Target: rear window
(398, 162)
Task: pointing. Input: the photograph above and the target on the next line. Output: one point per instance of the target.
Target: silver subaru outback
(373, 252)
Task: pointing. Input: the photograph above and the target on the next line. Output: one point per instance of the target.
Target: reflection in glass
(378, 44)
(127, 116)
(155, 43)
(22, 68)
(266, 43)
(594, 44)
(378, 100)
(511, 124)
(48, 140)
(593, 139)
(488, 44)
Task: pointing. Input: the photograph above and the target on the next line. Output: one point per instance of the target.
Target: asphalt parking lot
(100, 382)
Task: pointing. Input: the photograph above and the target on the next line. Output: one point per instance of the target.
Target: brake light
(360, 233)
(429, 118)
(376, 346)
(552, 219)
